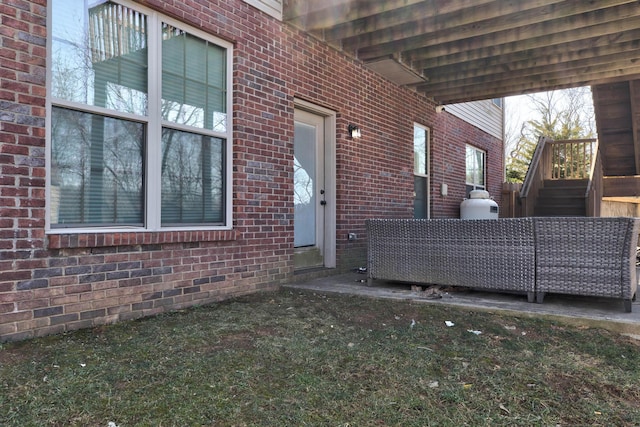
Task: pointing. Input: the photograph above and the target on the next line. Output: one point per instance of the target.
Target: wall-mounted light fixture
(354, 131)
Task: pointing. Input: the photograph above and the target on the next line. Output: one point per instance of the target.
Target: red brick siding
(54, 283)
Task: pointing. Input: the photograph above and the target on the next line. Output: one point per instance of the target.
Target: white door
(310, 196)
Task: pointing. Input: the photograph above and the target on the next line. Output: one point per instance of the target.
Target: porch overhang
(466, 50)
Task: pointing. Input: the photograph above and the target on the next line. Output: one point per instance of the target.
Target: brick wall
(53, 283)
(449, 140)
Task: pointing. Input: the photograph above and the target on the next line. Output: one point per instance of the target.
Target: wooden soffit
(466, 50)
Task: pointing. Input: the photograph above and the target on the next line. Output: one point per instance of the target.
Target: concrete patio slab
(575, 310)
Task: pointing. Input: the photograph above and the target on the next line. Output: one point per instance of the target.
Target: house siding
(485, 115)
(272, 7)
(50, 283)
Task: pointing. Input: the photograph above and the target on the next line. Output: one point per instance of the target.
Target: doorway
(314, 188)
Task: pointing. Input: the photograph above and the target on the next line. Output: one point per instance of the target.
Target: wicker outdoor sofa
(587, 256)
(485, 254)
(533, 256)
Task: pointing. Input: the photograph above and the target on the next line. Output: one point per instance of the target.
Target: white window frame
(475, 185)
(153, 123)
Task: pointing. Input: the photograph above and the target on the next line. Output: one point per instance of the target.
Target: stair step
(562, 192)
(559, 211)
(557, 201)
(566, 201)
(551, 183)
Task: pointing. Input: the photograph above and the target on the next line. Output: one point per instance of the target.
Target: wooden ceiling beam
(474, 22)
(534, 83)
(514, 57)
(611, 31)
(420, 17)
(623, 56)
(453, 94)
(542, 74)
(432, 43)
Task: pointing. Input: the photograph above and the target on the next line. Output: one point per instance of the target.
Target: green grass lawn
(294, 358)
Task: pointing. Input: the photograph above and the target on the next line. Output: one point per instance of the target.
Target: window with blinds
(139, 131)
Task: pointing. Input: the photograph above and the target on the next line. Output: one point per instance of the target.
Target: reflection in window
(192, 178)
(303, 184)
(97, 67)
(96, 171)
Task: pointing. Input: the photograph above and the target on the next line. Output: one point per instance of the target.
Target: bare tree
(560, 115)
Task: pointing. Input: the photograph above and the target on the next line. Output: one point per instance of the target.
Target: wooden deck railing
(570, 159)
(115, 31)
(534, 178)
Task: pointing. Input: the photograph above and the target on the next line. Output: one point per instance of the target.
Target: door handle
(323, 202)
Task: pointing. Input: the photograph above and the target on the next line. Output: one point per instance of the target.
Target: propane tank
(479, 206)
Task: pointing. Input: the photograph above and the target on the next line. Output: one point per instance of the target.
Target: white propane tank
(478, 206)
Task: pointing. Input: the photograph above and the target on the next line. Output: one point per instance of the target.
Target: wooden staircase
(564, 179)
(564, 197)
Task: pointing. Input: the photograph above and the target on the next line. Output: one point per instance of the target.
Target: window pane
(96, 170)
(192, 178)
(304, 185)
(475, 160)
(193, 81)
(480, 168)
(419, 150)
(100, 56)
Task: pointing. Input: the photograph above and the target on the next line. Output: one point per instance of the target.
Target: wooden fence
(511, 204)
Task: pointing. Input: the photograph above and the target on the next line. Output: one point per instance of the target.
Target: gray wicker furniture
(534, 256)
(587, 256)
(484, 254)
